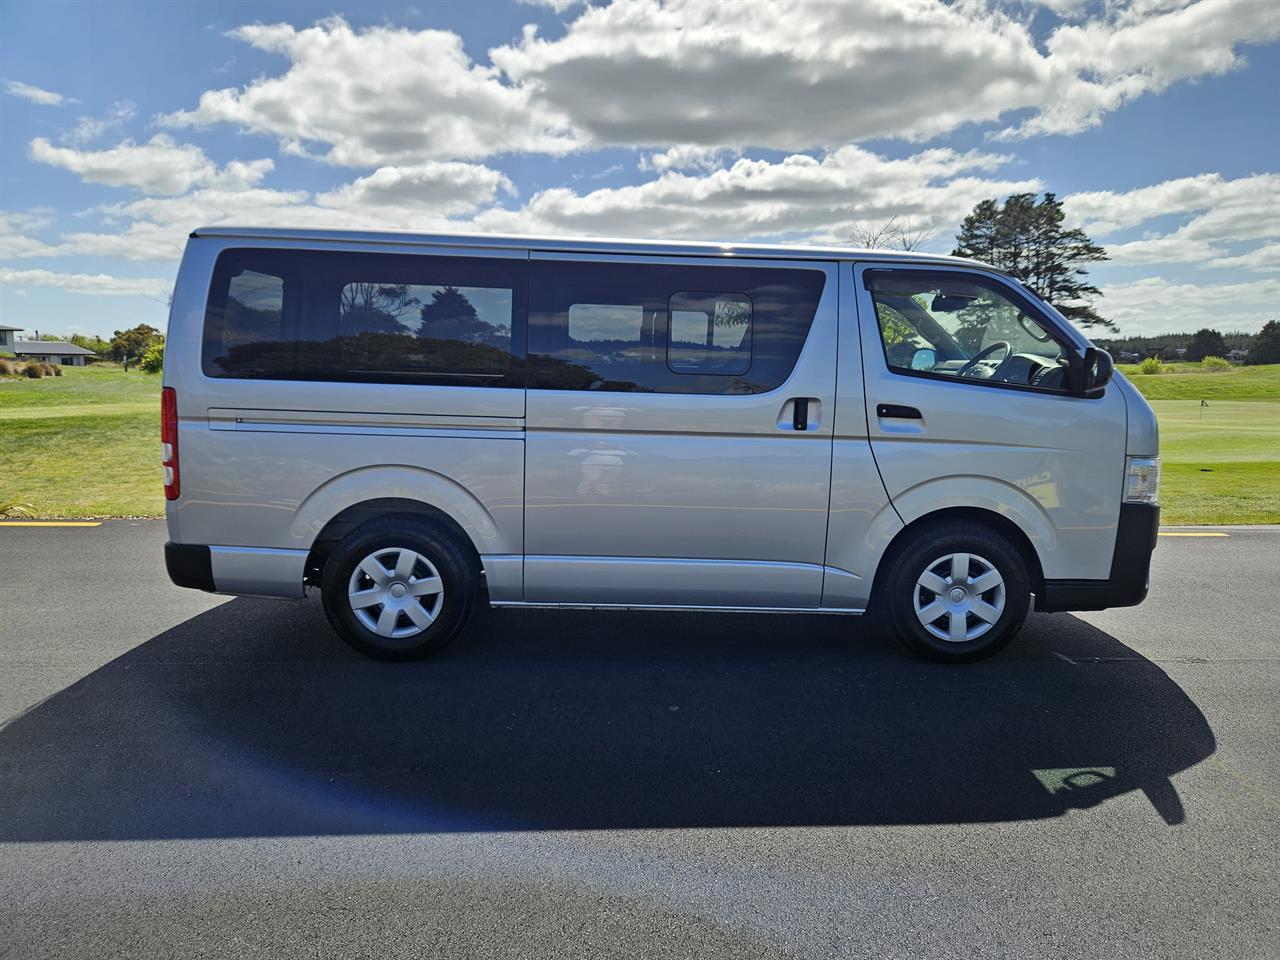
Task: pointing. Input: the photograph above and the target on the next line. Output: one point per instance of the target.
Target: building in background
(6, 338)
(50, 351)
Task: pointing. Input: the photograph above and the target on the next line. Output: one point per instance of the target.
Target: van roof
(675, 248)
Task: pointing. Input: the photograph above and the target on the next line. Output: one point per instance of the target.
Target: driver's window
(956, 325)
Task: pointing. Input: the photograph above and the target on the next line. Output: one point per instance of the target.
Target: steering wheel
(985, 352)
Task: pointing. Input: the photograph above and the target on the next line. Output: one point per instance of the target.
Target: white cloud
(160, 166)
(380, 96)
(1243, 210)
(788, 75)
(799, 196)
(14, 227)
(1263, 259)
(1155, 305)
(101, 283)
(47, 98)
(797, 75)
(88, 129)
(686, 157)
(441, 187)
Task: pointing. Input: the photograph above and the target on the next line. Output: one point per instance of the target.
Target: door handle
(897, 411)
(800, 413)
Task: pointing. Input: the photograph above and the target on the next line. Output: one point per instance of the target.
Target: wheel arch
(977, 515)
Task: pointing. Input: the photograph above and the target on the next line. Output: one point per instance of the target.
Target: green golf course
(86, 444)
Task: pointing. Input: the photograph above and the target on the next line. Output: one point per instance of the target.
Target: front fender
(982, 493)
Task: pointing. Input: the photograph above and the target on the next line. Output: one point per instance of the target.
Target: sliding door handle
(897, 411)
(800, 413)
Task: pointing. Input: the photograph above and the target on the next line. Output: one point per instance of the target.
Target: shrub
(8, 368)
(1215, 363)
(56, 369)
(153, 359)
(32, 370)
(1151, 365)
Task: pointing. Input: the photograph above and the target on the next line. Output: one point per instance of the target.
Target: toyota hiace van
(416, 424)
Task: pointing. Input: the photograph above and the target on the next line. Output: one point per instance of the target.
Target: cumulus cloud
(799, 196)
(1240, 211)
(380, 96)
(788, 75)
(1155, 305)
(100, 283)
(442, 187)
(686, 157)
(14, 241)
(796, 74)
(26, 91)
(160, 166)
(1098, 65)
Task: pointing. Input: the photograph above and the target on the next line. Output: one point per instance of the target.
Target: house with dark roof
(50, 351)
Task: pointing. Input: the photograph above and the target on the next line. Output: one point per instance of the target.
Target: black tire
(454, 563)
(911, 559)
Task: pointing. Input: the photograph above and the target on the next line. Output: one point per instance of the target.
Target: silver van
(414, 424)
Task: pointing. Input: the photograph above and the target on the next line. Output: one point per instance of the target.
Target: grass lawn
(86, 444)
(1221, 463)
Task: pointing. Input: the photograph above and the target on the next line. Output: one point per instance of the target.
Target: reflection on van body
(415, 424)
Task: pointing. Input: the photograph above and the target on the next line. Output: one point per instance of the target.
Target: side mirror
(1095, 371)
(924, 359)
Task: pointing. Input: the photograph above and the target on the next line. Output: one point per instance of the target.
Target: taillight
(169, 441)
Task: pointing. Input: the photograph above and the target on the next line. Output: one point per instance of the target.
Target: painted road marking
(50, 523)
(1179, 533)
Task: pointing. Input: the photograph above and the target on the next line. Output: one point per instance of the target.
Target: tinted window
(357, 316)
(963, 326)
(651, 328)
(709, 333)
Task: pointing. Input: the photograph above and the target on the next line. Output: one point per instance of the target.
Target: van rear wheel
(956, 592)
(398, 588)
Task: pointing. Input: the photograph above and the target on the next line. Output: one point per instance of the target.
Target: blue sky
(127, 125)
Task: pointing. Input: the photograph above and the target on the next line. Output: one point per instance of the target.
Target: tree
(1266, 345)
(153, 359)
(1206, 343)
(893, 235)
(131, 344)
(1028, 239)
(451, 316)
(377, 307)
(95, 343)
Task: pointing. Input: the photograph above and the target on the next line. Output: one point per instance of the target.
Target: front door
(678, 445)
(968, 407)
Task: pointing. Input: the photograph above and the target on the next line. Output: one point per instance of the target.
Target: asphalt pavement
(184, 775)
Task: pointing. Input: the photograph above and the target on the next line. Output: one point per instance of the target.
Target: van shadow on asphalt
(252, 719)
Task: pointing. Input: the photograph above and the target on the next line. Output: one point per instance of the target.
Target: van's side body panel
(267, 463)
(687, 499)
(1051, 463)
(862, 519)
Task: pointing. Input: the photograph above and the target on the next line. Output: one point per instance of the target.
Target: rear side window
(710, 333)
(316, 315)
(659, 328)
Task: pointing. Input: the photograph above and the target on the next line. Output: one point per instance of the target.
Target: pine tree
(1027, 238)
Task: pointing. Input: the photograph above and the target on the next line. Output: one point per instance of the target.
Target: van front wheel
(396, 588)
(957, 592)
